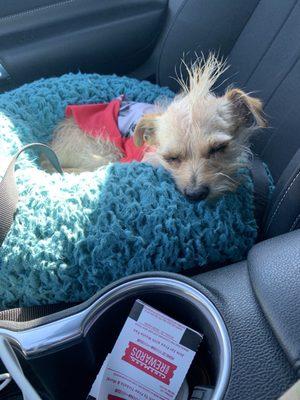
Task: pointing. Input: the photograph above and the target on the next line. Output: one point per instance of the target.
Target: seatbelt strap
(8, 189)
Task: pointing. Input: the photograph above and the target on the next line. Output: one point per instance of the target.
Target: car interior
(249, 311)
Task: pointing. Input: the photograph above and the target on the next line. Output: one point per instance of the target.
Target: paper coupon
(151, 357)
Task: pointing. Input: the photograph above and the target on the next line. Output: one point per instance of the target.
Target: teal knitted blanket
(74, 234)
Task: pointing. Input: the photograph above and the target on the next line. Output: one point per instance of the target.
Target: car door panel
(51, 38)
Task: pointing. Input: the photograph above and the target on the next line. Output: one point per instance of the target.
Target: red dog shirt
(103, 120)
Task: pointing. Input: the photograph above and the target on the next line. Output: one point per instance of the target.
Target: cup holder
(178, 299)
(66, 353)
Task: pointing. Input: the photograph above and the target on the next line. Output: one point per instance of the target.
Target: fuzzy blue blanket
(74, 234)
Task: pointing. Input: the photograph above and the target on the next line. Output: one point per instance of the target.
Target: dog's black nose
(199, 193)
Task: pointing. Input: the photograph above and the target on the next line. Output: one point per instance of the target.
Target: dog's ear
(145, 130)
(247, 110)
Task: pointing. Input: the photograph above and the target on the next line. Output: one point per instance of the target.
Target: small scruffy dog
(201, 139)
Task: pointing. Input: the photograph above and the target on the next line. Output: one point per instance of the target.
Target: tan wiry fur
(199, 137)
(195, 123)
(78, 152)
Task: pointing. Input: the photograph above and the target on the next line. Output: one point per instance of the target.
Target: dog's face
(201, 138)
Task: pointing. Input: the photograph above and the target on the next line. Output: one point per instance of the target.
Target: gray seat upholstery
(261, 40)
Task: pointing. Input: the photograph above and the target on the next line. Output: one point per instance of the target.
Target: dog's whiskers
(228, 177)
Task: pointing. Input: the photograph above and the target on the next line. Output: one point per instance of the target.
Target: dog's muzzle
(198, 193)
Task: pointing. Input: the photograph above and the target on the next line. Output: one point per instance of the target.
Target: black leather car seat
(261, 40)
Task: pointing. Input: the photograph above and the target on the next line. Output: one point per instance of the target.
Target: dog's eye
(172, 159)
(219, 148)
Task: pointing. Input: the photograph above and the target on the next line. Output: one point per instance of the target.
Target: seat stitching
(282, 199)
(270, 97)
(295, 222)
(248, 19)
(279, 84)
(272, 41)
(274, 91)
(35, 10)
(178, 12)
(180, 9)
